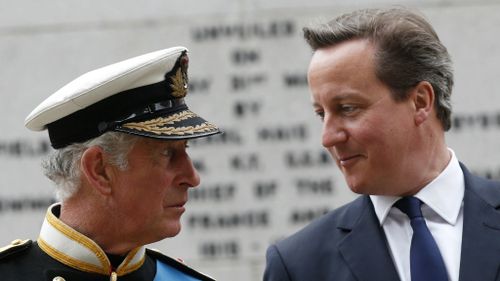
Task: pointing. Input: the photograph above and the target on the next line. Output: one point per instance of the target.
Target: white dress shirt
(442, 209)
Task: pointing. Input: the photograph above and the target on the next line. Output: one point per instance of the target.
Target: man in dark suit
(381, 82)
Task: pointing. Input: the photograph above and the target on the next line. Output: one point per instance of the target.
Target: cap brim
(184, 124)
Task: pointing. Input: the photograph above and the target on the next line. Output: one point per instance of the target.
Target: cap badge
(180, 79)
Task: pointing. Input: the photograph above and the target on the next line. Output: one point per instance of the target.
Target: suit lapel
(364, 248)
(480, 258)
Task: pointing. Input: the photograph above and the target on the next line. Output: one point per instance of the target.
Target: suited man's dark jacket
(348, 244)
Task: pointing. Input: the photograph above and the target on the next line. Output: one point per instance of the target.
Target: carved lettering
(249, 219)
(199, 165)
(25, 148)
(230, 136)
(275, 29)
(307, 215)
(296, 132)
(305, 159)
(25, 204)
(265, 189)
(247, 108)
(244, 82)
(199, 85)
(245, 162)
(295, 80)
(214, 192)
(482, 120)
(220, 249)
(245, 57)
(312, 186)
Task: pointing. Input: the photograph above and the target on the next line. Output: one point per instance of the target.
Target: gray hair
(408, 51)
(62, 166)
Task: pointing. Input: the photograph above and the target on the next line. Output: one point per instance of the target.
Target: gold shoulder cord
(13, 244)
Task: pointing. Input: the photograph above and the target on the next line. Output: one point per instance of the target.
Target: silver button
(58, 278)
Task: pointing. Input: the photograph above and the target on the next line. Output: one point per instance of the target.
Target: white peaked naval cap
(143, 96)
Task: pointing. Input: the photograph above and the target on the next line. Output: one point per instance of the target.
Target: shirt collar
(444, 195)
(74, 249)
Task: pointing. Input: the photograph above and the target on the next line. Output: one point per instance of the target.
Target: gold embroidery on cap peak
(155, 125)
(179, 84)
(145, 125)
(205, 127)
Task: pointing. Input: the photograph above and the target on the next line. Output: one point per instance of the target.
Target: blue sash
(166, 272)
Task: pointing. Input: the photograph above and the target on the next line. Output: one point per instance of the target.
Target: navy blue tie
(426, 263)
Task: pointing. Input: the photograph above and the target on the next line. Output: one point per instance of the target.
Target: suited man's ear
(423, 98)
(96, 170)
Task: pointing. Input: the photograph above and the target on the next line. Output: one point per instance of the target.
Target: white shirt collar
(444, 195)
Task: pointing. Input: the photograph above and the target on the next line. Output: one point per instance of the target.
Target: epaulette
(15, 246)
(179, 265)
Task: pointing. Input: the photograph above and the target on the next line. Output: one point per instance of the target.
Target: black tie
(426, 263)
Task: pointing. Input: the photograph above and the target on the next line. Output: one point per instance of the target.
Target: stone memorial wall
(267, 175)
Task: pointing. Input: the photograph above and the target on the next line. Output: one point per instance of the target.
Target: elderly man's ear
(96, 170)
(423, 98)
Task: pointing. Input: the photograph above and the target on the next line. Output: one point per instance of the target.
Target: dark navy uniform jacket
(63, 254)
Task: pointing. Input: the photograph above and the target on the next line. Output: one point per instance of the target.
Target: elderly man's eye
(167, 152)
(320, 114)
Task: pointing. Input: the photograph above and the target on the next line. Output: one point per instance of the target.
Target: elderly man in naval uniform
(122, 173)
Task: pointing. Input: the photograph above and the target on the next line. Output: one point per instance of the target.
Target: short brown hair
(408, 51)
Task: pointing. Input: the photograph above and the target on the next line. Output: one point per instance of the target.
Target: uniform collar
(444, 195)
(74, 249)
